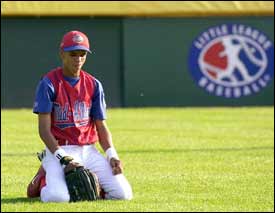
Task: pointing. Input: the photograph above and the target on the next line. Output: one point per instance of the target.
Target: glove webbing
(93, 181)
(83, 187)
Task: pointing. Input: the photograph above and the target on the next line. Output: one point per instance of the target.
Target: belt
(63, 142)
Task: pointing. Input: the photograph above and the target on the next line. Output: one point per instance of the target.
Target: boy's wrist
(111, 153)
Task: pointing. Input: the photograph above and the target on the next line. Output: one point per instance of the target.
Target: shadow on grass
(229, 149)
(9, 154)
(19, 200)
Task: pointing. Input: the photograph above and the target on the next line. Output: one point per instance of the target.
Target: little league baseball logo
(232, 60)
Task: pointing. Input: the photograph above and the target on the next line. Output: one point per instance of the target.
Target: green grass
(176, 159)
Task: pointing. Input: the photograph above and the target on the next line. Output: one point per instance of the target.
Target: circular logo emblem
(232, 60)
(78, 39)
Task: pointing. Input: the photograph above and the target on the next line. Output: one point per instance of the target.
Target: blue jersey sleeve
(44, 97)
(98, 110)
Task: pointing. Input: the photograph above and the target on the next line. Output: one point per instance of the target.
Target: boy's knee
(126, 195)
(122, 194)
(53, 196)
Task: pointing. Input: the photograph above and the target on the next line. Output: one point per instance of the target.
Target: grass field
(176, 159)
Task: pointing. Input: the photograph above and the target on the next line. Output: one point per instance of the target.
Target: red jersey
(71, 123)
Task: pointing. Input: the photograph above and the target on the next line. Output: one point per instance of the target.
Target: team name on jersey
(80, 111)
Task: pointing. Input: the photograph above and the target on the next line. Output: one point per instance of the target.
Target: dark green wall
(29, 49)
(156, 62)
(140, 61)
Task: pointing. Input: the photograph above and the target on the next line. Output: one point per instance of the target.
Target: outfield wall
(140, 61)
(146, 54)
(160, 66)
(29, 48)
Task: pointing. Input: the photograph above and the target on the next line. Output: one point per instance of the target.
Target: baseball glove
(82, 184)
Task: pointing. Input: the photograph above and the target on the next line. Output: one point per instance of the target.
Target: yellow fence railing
(136, 8)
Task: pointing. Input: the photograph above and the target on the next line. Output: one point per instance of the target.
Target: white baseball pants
(115, 186)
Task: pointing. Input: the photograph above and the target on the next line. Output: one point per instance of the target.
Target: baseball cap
(75, 40)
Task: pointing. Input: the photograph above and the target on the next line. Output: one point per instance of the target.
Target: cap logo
(78, 39)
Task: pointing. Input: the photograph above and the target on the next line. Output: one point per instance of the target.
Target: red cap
(75, 40)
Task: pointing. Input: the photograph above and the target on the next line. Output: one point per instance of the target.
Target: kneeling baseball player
(71, 112)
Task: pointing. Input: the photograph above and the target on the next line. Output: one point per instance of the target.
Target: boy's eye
(79, 54)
